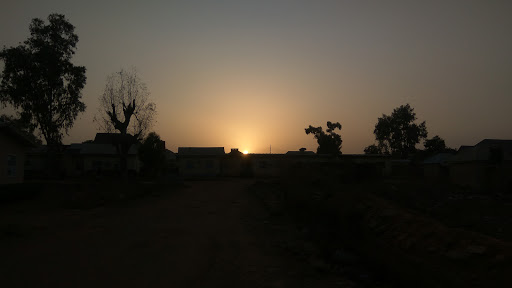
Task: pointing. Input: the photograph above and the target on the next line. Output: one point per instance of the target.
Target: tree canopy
(328, 142)
(373, 149)
(152, 154)
(398, 134)
(40, 81)
(435, 145)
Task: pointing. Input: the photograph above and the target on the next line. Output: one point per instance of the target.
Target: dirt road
(209, 234)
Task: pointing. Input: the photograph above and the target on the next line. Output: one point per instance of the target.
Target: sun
(246, 152)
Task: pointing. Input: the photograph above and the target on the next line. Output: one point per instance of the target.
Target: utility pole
(270, 148)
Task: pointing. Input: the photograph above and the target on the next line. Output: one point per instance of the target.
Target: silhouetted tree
(125, 107)
(372, 149)
(435, 145)
(152, 154)
(397, 134)
(40, 80)
(328, 143)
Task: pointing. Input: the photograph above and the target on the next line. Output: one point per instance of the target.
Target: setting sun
(246, 152)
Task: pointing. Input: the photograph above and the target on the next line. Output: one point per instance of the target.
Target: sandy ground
(209, 234)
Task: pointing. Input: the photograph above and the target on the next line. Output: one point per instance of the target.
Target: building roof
(86, 149)
(169, 155)
(439, 158)
(16, 135)
(112, 138)
(483, 151)
(200, 151)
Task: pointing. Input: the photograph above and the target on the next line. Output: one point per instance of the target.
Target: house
(435, 168)
(485, 166)
(98, 157)
(267, 165)
(301, 152)
(170, 161)
(200, 161)
(234, 164)
(35, 162)
(13, 148)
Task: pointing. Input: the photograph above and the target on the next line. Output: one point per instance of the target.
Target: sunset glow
(363, 119)
(255, 74)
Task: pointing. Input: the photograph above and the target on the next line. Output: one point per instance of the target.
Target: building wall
(75, 165)
(436, 172)
(199, 167)
(267, 167)
(432, 171)
(483, 176)
(12, 159)
(108, 163)
(34, 165)
(470, 174)
(232, 167)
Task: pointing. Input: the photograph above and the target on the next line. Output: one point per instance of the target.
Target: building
(102, 159)
(301, 152)
(435, 168)
(13, 148)
(171, 164)
(485, 166)
(267, 165)
(200, 161)
(93, 158)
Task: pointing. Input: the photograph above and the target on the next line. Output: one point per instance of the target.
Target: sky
(254, 74)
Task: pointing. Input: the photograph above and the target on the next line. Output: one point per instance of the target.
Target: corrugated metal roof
(439, 158)
(482, 151)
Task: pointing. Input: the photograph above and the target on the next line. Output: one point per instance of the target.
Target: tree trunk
(123, 147)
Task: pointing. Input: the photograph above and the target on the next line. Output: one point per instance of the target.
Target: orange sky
(250, 74)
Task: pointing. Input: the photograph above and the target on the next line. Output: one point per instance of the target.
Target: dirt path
(210, 234)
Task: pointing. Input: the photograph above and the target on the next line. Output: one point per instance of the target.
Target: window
(11, 165)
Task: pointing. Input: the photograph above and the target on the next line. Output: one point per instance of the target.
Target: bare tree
(125, 105)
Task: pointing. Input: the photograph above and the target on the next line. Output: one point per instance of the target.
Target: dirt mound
(419, 249)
